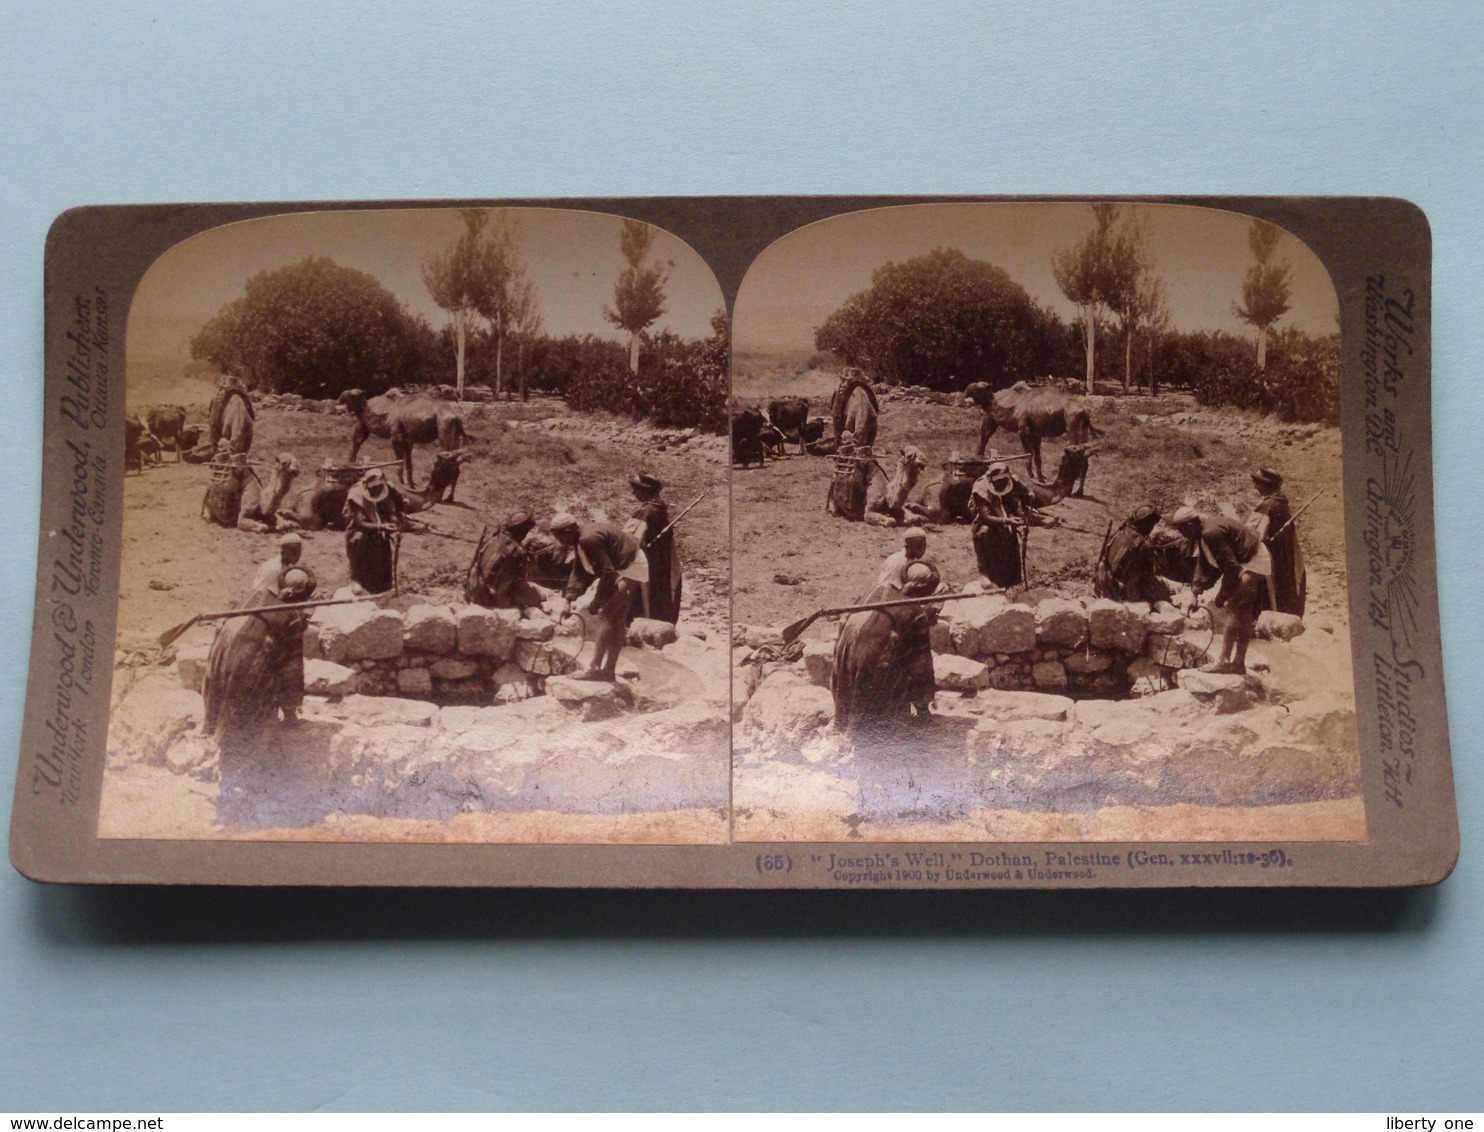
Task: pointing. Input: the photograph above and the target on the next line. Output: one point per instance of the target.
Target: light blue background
(135, 999)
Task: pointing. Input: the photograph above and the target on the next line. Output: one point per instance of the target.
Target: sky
(573, 260)
(571, 257)
(1201, 254)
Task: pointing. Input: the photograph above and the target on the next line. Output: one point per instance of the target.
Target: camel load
(948, 500)
(848, 486)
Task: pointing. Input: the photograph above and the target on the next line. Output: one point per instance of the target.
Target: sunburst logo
(1391, 537)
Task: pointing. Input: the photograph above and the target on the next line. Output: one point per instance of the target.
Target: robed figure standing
(1288, 586)
(659, 598)
(883, 672)
(254, 675)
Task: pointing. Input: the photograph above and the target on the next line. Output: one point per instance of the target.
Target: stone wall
(447, 654)
(1052, 706)
(1087, 650)
(1082, 649)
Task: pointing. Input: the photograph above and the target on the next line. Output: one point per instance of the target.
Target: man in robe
(1128, 568)
(1288, 584)
(659, 598)
(883, 671)
(498, 575)
(373, 521)
(1003, 512)
(290, 549)
(914, 549)
(254, 676)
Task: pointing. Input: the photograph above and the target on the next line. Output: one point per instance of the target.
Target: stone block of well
(359, 632)
(543, 659)
(486, 632)
(430, 629)
(1114, 625)
(995, 626)
(959, 674)
(1060, 621)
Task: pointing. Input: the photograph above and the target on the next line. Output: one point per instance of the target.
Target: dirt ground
(788, 558)
(177, 565)
(792, 558)
(537, 456)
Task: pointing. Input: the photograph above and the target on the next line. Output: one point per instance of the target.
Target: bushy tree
(681, 383)
(941, 320)
(558, 365)
(1301, 381)
(313, 328)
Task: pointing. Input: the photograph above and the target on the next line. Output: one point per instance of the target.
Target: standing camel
(1032, 414)
(406, 422)
(854, 409)
(231, 418)
(371, 417)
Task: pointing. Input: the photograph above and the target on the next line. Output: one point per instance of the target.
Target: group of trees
(679, 383)
(943, 320)
(1109, 276)
(317, 328)
(482, 275)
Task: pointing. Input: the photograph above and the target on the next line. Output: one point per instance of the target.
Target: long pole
(170, 636)
(791, 632)
(1297, 513)
(673, 522)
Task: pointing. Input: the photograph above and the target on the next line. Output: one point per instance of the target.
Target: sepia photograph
(425, 534)
(749, 542)
(1039, 531)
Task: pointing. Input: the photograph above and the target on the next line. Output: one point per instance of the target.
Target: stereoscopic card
(818, 542)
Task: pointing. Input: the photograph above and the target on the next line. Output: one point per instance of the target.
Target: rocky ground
(1279, 759)
(567, 765)
(1273, 757)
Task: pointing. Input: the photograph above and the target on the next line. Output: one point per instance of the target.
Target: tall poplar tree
(1086, 274)
(639, 294)
(508, 297)
(1265, 288)
(459, 279)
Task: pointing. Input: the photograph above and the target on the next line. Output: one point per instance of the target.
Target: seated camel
(222, 503)
(1071, 470)
(886, 501)
(948, 499)
(322, 507)
(258, 512)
